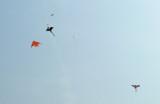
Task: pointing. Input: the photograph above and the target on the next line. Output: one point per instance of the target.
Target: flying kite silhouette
(50, 30)
(35, 44)
(135, 87)
(52, 14)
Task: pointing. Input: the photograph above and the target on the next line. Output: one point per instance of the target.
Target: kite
(35, 44)
(135, 87)
(50, 30)
(52, 14)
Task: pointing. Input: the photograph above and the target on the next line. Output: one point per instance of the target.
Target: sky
(101, 48)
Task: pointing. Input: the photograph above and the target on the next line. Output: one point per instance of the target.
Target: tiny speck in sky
(52, 14)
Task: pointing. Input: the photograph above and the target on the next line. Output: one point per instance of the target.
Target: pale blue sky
(101, 48)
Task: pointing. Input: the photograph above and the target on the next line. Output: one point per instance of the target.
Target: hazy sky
(101, 48)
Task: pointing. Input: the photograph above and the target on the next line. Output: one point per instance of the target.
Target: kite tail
(52, 33)
(135, 89)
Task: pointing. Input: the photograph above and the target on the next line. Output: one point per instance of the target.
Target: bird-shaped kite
(50, 30)
(35, 44)
(135, 87)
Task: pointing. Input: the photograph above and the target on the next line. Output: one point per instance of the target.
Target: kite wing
(138, 85)
(133, 85)
(47, 29)
(51, 28)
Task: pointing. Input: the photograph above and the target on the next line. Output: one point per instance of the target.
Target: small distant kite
(52, 14)
(50, 30)
(35, 44)
(135, 87)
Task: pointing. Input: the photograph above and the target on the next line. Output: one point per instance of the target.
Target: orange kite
(35, 44)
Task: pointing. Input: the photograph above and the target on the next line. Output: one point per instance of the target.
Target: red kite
(135, 87)
(35, 44)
